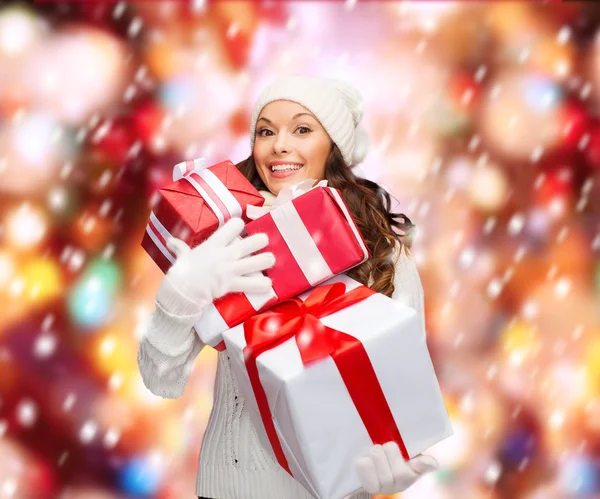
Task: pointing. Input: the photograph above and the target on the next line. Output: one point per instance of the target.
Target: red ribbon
(295, 318)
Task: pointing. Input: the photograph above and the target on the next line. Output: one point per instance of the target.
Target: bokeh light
(140, 477)
(42, 280)
(488, 188)
(32, 149)
(72, 96)
(92, 297)
(26, 226)
(520, 115)
(20, 29)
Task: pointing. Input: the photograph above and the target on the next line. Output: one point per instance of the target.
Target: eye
(305, 128)
(263, 132)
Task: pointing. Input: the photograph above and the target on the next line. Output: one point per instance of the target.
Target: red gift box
(195, 205)
(313, 238)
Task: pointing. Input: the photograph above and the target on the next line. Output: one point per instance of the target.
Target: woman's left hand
(383, 470)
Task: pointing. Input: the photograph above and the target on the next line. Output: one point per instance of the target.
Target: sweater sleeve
(169, 343)
(408, 286)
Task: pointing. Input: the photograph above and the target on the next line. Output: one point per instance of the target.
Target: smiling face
(290, 145)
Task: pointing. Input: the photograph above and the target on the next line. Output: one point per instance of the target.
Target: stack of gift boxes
(327, 366)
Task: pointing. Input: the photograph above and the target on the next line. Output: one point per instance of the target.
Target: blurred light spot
(9, 487)
(7, 268)
(557, 419)
(107, 346)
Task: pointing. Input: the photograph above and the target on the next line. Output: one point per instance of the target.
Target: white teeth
(282, 168)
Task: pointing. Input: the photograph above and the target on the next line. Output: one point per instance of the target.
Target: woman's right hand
(222, 264)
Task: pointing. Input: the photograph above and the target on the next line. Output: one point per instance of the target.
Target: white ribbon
(185, 168)
(152, 228)
(285, 195)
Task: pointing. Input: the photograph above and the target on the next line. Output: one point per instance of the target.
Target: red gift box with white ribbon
(313, 237)
(196, 204)
(330, 373)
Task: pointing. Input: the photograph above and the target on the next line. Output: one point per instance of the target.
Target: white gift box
(316, 422)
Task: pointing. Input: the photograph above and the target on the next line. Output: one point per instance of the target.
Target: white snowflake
(577, 332)
(492, 473)
(584, 141)
(135, 27)
(562, 288)
(45, 345)
(115, 381)
(111, 437)
(562, 234)
(489, 225)
(119, 10)
(585, 91)
(491, 372)
(536, 154)
(349, 4)
(88, 431)
(27, 413)
(480, 73)
(494, 288)
(76, 260)
(467, 257)
(530, 309)
(62, 458)
(69, 402)
(564, 35)
(516, 224)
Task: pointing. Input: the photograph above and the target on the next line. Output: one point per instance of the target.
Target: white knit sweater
(233, 464)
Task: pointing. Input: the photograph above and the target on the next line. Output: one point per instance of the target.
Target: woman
(301, 128)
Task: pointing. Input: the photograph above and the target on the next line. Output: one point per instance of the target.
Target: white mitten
(383, 470)
(221, 264)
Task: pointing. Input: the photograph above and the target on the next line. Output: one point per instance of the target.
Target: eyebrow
(293, 118)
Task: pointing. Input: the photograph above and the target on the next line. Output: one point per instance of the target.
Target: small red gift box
(313, 238)
(195, 205)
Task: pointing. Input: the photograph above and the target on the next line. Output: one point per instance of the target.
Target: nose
(280, 145)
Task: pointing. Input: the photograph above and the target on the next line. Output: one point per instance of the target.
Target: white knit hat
(337, 105)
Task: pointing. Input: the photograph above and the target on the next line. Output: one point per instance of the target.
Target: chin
(277, 184)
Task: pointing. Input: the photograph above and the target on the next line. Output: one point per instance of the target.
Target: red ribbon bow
(301, 319)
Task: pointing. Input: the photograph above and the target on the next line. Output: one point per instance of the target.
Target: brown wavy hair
(370, 206)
